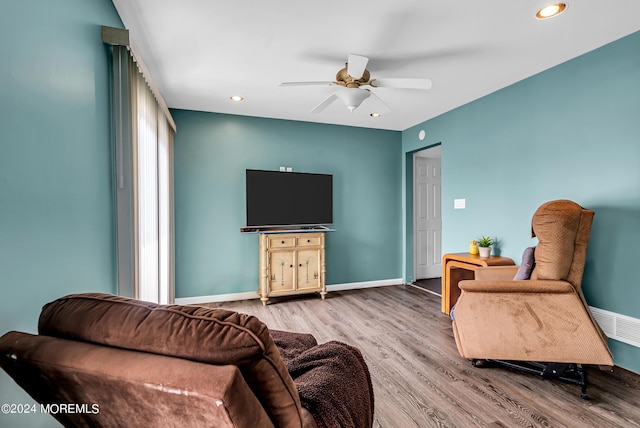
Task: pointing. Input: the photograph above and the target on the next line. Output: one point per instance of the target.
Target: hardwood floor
(419, 378)
(430, 285)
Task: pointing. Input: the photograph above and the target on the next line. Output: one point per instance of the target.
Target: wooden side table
(460, 266)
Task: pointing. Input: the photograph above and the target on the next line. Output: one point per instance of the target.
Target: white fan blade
(306, 83)
(356, 65)
(377, 104)
(324, 104)
(402, 83)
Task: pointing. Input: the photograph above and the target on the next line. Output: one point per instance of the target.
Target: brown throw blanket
(332, 379)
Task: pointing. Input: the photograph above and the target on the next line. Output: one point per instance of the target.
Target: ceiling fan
(355, 75)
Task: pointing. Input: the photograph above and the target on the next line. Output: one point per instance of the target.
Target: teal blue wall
(212, 152)
(56, 210)
(570, 132)
(56, 204)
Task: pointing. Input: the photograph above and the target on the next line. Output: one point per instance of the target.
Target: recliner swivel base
(565, 372)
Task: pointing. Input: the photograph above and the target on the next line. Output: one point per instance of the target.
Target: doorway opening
(427, 220)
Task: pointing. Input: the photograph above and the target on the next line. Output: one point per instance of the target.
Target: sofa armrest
(525, 286)
(496, 273)
(119, 385)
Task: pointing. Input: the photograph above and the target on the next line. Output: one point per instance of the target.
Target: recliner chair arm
(496, 273)
(525, 286)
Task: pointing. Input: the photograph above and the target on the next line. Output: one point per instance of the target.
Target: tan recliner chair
(544, 321)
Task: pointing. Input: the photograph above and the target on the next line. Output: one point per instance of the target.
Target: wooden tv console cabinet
(291, 262)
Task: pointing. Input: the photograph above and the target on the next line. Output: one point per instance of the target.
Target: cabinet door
(308, 269)
(281, 270)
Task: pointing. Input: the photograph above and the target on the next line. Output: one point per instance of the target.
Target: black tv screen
(288, 198)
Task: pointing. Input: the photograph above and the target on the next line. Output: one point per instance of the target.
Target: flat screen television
(277, 198)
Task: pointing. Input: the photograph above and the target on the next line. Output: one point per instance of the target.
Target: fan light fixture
(352, 97)
(551, 10)
(236, 98)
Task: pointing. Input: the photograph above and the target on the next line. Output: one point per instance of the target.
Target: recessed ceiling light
(237, 98)
(375, 115)
(551, 10)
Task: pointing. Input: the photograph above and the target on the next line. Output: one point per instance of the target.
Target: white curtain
(165, 210)
(148, 171)
(144, 159)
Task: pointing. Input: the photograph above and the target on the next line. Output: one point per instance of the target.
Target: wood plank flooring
(431, 285)
(419, 378)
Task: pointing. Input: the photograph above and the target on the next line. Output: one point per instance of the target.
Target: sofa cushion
(526, 267)
(555, 224)
(213, 336)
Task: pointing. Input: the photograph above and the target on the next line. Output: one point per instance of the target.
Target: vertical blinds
(144, 197)
(148, 189)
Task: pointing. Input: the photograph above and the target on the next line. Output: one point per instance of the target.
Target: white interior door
(427, 216)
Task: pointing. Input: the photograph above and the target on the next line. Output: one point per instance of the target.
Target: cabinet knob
(282, 242)
(300, 265)
(308, 240)
(290, 265)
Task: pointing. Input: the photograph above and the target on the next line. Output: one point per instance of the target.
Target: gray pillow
(528, 262)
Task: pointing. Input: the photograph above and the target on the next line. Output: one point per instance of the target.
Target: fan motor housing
(343, 78)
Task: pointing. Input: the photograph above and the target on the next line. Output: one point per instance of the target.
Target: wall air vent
(619, 327)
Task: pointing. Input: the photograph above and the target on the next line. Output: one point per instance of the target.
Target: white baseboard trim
(248, 295)
(365, 284)
(232, 297)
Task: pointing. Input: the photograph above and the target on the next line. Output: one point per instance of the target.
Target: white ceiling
(200, 52)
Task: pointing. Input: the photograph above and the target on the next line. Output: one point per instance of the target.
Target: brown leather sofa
(114, 361)
(542, 319)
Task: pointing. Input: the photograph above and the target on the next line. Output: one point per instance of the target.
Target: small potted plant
(485, 244)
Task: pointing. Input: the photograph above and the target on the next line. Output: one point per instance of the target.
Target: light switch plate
(459, 204)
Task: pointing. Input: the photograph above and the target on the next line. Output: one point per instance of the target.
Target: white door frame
(432, 152)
